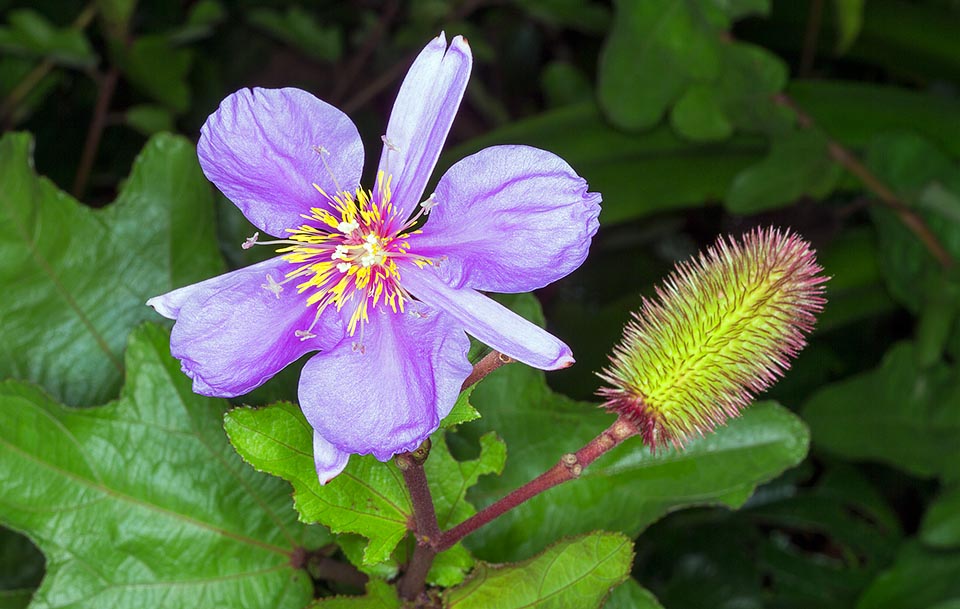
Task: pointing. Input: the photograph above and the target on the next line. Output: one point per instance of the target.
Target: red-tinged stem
(427, 531)
(485, 366)
(569, 467)
(107, 86)
(854, 165)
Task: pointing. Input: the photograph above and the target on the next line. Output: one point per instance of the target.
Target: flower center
(347, 256)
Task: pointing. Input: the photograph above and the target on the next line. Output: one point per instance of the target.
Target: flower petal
(489, 321)
(261, 150)
(422, 114)
(389, 396)
(233, 333)
(509, 219)
(328, 459)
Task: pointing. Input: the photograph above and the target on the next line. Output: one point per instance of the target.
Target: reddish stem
(426, 530)
(851, 163)
(485, 366)
(569, 467)
(107, 86)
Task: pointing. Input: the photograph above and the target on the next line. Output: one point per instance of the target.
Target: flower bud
(722, 328)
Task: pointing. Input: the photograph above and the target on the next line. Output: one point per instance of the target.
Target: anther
(343, 267)
(321, 150)
(304, 334)
(358, 348)
(339, 253)
(251, 241)
(347, 227)
(429, 203)
(272, 286)
(388, 144)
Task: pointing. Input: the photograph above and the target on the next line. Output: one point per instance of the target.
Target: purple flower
(382, 283)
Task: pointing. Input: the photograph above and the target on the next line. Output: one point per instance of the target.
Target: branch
(107, 86)
(851, 163)
(569, 467)
(427, 531)
(490, 362)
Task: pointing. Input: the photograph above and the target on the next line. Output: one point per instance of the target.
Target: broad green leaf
(76, 278)
(578, 572)
(149, 118)
(849, 22)
(799, 164)
(564, 83)
(30, 34)
(300, 29)
(640, 174)
(631, 595)
(899, 414)
(941, 523)
(369, 498)
(157, 67)
(655, 50)
(462, 411)
(662, 54)
(625, 490)
(919, 578)
(449, 481)
(142, 502)
(380, 595)
(699, 115)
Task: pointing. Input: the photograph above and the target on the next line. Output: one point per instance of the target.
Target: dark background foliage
(694, 118)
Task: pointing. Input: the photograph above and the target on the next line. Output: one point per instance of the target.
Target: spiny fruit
(722, 328)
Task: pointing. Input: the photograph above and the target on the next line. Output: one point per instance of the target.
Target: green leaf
(899, 414)
(64, 325)
(369, 498)
(699, 115)
(299, 29)
(662, 54)
(919, 578)
(149, 118)
(564, 83)
(449, 481)
(849, 22)
(380, 595)
(799, 164)
(155, 66)
(655, 50)
(625, 490)
(577, 572)
(142, 502)
(30, 34)
(941, 523)
(462, 411)
(631, 595)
